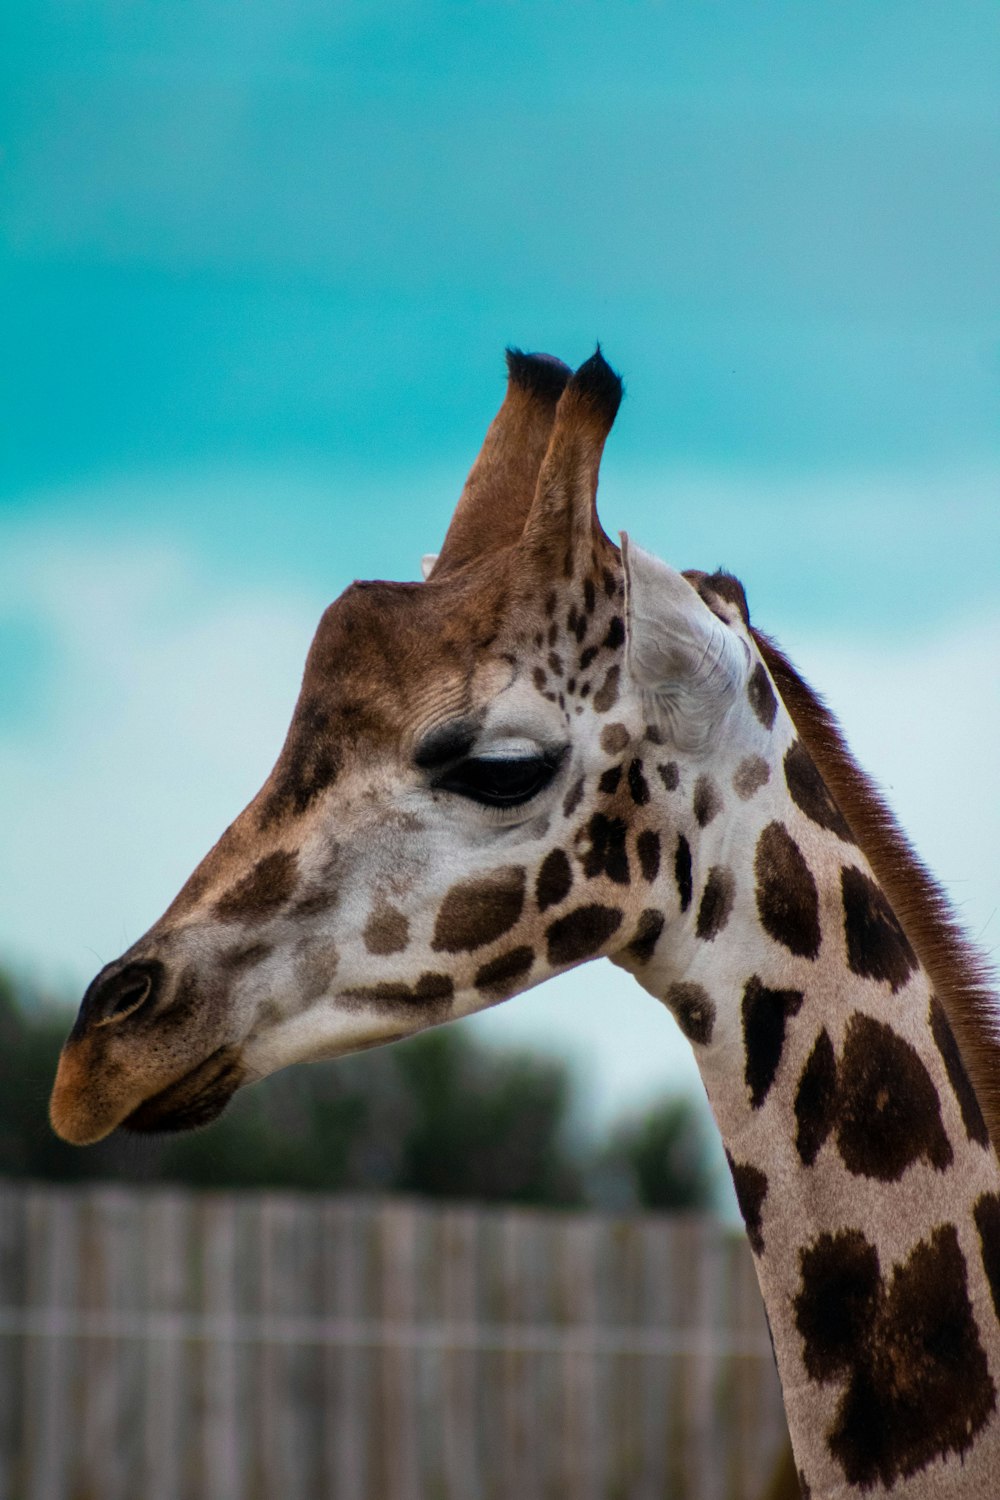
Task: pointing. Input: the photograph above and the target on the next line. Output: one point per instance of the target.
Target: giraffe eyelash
(501, 783)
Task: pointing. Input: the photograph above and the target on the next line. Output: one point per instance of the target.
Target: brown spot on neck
(787, 897)
(960, 975)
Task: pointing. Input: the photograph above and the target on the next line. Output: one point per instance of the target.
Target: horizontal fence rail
(257, 1346)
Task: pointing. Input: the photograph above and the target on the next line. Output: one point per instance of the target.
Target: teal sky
(259, 264)
(291, 240)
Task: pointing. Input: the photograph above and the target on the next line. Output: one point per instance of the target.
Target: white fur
(689, 667)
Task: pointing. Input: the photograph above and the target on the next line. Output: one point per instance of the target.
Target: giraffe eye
(500, 782)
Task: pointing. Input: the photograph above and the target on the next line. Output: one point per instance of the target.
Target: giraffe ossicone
(554, 750)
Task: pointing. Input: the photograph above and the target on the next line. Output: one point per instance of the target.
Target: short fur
(961, 975)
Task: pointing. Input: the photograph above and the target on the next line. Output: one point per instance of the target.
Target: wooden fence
(166, 1345)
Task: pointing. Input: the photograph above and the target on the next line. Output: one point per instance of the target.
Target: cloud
(166, 701)
(850, 554)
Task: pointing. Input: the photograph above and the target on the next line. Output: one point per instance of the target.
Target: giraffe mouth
(196, 1099)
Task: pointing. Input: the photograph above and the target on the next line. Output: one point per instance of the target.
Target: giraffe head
(460, 809)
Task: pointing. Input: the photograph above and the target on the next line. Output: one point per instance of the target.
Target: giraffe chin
(194, 1100)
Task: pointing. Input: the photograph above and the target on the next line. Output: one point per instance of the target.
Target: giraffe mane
(963, 977)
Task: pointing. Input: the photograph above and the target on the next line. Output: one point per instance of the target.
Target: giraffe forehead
(391, 662)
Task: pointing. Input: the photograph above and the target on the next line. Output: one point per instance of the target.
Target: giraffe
(555, 749)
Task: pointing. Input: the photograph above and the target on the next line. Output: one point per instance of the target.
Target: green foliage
(663, 1156)
(484, 1125)
(437, 1115)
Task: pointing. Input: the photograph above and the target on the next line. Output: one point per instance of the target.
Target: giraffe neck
(862, 1165)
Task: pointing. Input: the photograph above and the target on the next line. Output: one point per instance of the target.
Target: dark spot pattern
(262, 892)
(315, 965)
(811, 794)
(245, 957)
(476, 912)
(386, 931)
(637, 784)
(751, 1190)
(614, 738)
(647, 935)
(589, 596)
(670, 775)
(816, 1100)
(431, 996)
(309, 763)
(581, 933)
(607, 854)
(787, 898)
(682, 871)
(877, 946)
(916, 1382)
(761, 695)
(573, 798)
(716, 903)
(944, 1037)
(987, 1216)
(616, 634)
(840, 1280)
(607, 694)
(694, 1009)
(500, 977)
(647, 847)
(555, 880)
(707, 802)
(315, 899)
(751, 774)
(609, 781)
(765, 1015)
(587, 656)
(888, 1111)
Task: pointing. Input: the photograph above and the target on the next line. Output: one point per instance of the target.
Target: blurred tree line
(438, 1115)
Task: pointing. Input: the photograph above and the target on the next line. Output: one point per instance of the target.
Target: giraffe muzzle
(145, 1053)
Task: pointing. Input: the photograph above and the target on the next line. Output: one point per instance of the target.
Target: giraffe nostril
(114, 996)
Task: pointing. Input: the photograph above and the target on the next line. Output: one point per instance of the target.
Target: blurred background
(259, 264)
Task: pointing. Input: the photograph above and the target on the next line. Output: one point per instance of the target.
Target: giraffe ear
(498, 492)
(563, 520)
(688, 665)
